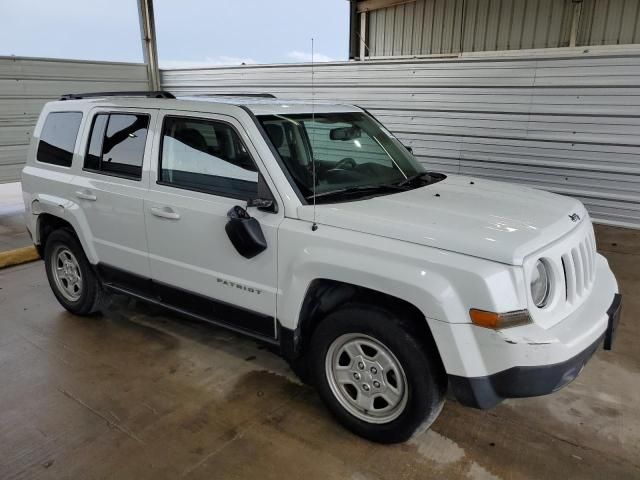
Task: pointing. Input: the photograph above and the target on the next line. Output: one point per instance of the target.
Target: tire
(398, 365)
(73, 283)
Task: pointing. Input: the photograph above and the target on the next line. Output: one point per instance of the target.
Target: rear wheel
(375, 373)
(70, 275)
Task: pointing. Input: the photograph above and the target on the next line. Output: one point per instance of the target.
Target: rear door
(111, 186)
(205, 165)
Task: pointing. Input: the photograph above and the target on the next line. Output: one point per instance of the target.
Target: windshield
(352, 152)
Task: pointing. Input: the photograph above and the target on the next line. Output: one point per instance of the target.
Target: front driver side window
(206, 156)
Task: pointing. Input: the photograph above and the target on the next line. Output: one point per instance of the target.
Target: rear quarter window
(58, 138)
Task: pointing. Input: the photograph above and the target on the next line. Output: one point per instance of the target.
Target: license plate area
(614, 319)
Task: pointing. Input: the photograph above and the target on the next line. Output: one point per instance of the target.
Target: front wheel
(375, 373)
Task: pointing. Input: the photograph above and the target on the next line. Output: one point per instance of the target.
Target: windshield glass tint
(350, 150)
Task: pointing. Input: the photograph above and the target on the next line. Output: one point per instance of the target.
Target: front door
(205, 166)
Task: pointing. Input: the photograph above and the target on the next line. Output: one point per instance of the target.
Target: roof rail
(232, 94)
(149, 94)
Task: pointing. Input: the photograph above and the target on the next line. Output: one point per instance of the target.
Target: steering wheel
(347, 163)
(335, 173)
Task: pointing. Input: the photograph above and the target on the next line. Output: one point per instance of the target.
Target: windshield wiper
(412, 178)
(385, 187)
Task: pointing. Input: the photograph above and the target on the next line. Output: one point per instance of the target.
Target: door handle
(165, 212)
(86, 195)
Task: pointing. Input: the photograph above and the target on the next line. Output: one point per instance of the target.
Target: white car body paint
(445, 248)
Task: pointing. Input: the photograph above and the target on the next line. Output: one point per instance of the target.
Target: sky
(189, 32)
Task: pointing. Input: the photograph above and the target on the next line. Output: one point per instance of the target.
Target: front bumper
(530, 381)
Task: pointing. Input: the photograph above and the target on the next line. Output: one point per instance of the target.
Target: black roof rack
(148, 94)
(231, 94)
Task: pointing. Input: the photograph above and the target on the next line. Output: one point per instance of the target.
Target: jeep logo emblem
(574, 217)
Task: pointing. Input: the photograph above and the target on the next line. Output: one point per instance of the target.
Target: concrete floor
(139, 393)
(13, 233)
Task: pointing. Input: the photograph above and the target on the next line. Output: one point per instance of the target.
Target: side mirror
(408, 148)
(245, 232)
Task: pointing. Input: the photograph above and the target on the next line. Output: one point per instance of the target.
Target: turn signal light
(485, 319)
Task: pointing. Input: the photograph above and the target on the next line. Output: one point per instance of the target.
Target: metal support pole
(363, 35)
(575, 22)
(149, 46)
(353, 30)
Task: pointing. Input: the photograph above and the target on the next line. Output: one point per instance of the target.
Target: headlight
(540, 285)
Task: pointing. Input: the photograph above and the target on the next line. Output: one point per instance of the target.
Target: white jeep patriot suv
(312, 228)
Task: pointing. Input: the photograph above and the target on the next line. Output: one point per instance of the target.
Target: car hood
(486, 219)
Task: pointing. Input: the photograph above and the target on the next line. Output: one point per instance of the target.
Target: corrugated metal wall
(27, 83)
(609, 22)
(428, 27)
(565, 123)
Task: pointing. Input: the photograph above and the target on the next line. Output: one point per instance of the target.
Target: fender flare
(68, 211)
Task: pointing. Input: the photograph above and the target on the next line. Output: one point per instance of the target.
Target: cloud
(206, 62)
(299, 56)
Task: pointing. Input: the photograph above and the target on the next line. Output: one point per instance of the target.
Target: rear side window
(116, 144)
(58, 138)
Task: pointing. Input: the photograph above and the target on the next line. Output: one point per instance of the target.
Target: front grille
(579, 265)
